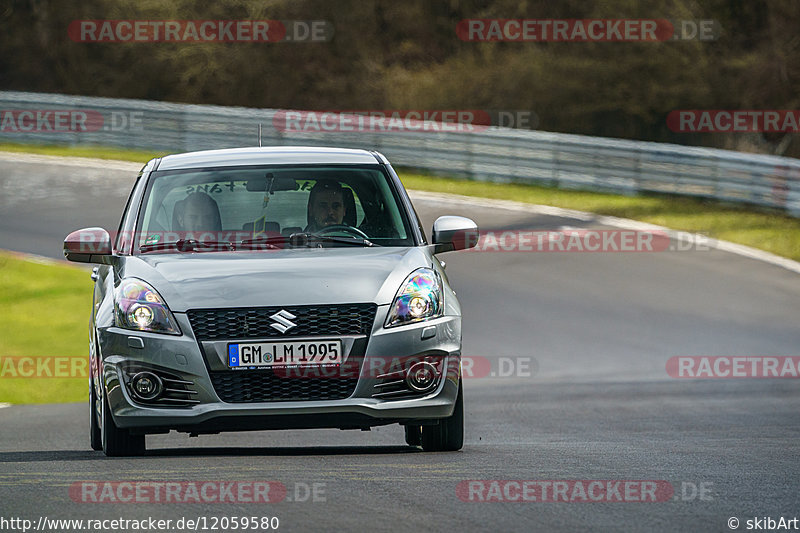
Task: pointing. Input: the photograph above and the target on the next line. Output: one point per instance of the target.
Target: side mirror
(452, 233)
(88, 245)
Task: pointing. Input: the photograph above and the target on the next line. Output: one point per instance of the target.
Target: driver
(325, 205)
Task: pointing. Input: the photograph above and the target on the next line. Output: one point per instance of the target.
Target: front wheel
(118, 442)
(448, 434)
(413, 435)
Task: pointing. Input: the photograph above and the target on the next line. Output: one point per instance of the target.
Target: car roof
(269, 155)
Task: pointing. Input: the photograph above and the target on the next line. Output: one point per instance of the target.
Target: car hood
(277, 278)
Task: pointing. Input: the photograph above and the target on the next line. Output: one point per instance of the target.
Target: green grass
(44, 309)
(97, 152)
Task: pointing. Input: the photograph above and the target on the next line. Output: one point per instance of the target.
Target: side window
(123, 240)
(161, 219)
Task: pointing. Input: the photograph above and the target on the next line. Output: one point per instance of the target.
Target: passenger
(200, 213)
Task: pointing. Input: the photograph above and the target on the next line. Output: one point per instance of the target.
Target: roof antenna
(259, 135)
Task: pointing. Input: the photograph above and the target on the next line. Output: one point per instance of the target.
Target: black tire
(413, 435)
(448, 434)
(95, 437)
(118, 442)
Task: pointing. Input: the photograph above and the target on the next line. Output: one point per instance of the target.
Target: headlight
(419, 298)
(138, 306)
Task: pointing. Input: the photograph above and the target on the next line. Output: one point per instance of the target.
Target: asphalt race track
(578, 345)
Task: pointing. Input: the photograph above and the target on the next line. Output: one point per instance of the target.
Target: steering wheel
(343, 228)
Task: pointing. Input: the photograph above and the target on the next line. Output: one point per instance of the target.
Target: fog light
(146, 386)
(421, 377)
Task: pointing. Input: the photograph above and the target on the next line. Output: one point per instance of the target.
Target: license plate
(290, 353)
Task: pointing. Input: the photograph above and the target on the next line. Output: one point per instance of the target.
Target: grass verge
(96, 152)
(44, 309)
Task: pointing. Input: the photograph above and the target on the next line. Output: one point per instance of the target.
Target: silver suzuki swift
(272, 288)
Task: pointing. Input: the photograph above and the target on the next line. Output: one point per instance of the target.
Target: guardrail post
(555, 158)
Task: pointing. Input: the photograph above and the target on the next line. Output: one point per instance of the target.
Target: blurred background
(388, 54)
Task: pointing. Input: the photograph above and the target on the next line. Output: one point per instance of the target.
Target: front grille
(266, 386)
(255, 322)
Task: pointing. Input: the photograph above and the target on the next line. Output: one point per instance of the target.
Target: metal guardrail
(494, 154)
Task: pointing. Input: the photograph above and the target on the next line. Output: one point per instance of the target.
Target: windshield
(331, 205)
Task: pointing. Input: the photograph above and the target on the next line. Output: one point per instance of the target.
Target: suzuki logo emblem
(283, 321)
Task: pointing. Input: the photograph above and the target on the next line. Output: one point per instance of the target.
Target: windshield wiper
(269, 241)
(186, 245)
(296, 239)
(301, 239)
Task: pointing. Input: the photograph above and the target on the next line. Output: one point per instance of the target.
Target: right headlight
(419, 298)
(138, 306)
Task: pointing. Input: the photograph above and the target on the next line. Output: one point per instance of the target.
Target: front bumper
(182, 356)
